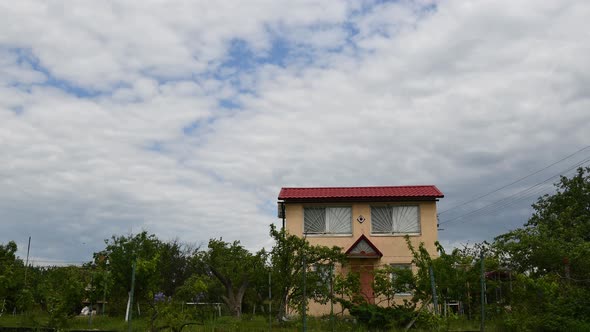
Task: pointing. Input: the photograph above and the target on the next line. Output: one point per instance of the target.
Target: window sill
(396, 234)
(327, 235)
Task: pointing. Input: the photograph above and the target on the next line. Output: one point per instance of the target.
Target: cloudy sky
(185, 118)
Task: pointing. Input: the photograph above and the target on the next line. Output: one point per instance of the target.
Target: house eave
(358, 199)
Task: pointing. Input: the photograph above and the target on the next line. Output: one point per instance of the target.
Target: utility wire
(507, 200)
(512, 199)
(495, 209)
(531, 191)
(516, 181)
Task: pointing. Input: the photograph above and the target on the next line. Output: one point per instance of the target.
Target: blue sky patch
(155, 146)
(194, 127)
(17, 110)
(241, 57)
(229, 103)
(27, 57)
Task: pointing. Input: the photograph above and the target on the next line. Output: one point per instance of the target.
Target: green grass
(74, 323)
(107, 323)
(220, 324)
(224, 324)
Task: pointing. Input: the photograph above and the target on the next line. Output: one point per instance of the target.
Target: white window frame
(327, 229)
(407, 266)
(393, 233)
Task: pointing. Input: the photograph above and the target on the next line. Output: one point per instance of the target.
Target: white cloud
(112, 114)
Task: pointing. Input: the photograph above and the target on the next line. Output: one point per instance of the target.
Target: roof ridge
(379, 192)
(361, 187)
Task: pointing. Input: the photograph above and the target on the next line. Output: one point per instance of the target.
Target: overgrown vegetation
(537, 279)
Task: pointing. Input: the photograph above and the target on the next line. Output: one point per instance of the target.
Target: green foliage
(176, 263)
(172, 315)
(391, 280)
(423, 261)
(551, 255)
(457, 275)
(63, 290)
(428, 321)
(160, 267)
(287, 259)
(546, 304)
(558, 233)
(379, 318)
(122, 251)
(347, 287)
(11, 276)
(25, 300)
(234, 267)
(194, 286)
(388, 281)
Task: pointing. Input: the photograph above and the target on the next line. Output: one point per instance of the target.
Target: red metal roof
(360, 193)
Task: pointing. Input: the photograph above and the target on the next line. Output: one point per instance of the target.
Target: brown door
(365, 268)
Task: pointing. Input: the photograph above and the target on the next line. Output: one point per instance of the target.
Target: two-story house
(368, 223)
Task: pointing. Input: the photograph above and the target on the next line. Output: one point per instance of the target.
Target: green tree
(192, 288)
(390, 280)
(347, 289)
(62, 291)
(122, 252)
(287, 257)
(234, 267)
(557, 236)
(175, 265)
(551, 253)
(11, 276)
(457, 275)
(169, 312)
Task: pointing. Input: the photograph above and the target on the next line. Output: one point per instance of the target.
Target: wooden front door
(365, 269)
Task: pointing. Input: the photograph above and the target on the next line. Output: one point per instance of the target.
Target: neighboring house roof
(363, 248)
(383, 193)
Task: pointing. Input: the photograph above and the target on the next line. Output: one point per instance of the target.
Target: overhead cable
(514, 182)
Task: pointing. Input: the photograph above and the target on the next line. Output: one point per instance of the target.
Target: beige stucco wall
(393, 247)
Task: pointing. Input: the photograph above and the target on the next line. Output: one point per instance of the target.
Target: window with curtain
(395, 219)
(327, 220)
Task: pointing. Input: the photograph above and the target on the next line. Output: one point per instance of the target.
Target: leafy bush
(376, 317)
(430, 322)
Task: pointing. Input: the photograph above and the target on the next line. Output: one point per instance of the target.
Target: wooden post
(433, 286)
(483, 293)
(269, 302)
(131, 296)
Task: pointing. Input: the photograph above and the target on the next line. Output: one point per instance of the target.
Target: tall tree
(175, 265)
(552, 254)
(11, 273)
(234, 267)
(556, 239)
(122, 251)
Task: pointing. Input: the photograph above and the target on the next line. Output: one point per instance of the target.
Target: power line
(516, 181)
(512, 199)
(504, 202)
(493, 208)
(531, 191)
